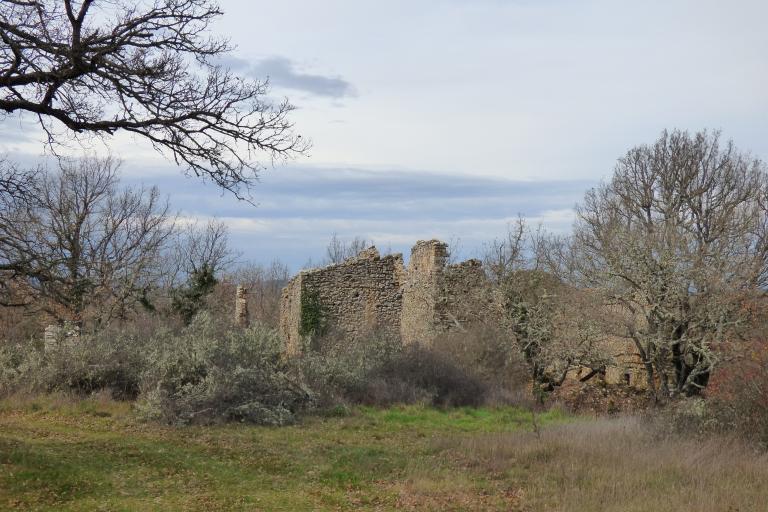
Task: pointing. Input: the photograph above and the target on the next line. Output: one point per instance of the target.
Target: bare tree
(520, 248)
(264, 284)
(677, 239)
(15, 183)
(81, 244)
(554, 324)
(194, 247)
(147, 67)
(339, 250)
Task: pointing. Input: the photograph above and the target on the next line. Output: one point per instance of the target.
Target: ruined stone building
(417, 303)
(374, 293)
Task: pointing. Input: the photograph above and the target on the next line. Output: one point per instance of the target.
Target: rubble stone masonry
(373, 293)
(416, 304)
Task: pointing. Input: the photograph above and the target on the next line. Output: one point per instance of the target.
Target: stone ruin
(56, 334)
(241, 306)
(373, 293)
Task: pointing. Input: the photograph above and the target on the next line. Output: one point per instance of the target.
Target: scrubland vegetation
(150, 396)
(147, 396)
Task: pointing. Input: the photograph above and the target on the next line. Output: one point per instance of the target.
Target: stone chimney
(241, 306)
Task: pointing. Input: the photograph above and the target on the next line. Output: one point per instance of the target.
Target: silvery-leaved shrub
(82, 364)
(339, 370)
(213, 372)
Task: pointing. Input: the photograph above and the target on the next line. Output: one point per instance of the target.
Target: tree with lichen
(678, 239)
(555, 325)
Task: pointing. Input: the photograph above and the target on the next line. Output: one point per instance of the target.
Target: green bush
(212, 372)
(202, 373)
(338, 371)
(424, 374)
(84, 364)
(467, 368)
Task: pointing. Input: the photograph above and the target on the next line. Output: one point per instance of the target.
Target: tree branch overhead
(147, 68)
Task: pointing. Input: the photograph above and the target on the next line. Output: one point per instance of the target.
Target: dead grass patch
(621, 465)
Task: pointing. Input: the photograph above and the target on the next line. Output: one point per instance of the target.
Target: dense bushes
(467, 368)
(212, 371)
(737, 397)
(204, 372)
(84, 364)
(735, 402)
(207, 373)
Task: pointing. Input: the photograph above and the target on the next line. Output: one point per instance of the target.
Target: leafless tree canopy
(82, 243)
(147, 67)
(339, 250)
(15, 183)
(679, 238)
(555, 325)
(196, 247)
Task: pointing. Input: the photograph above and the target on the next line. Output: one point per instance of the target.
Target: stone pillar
(241, 306)
(51, 336)
(56, 334)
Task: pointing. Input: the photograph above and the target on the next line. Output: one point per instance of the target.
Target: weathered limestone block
(350, 299)
(420, 293)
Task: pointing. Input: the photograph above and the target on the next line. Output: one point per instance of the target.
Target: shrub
(491, 355)
(86, 364)
(212, 372)
(737, 395)
(420, 373)
(339, 371)
(16, 362)
(468, 368)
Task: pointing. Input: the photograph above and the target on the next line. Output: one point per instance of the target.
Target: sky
(448, 118)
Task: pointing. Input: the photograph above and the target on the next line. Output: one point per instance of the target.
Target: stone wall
(370, 293)
(290, 314)
(373, 293)
(421, 290)
(350, 299)
(438, 297)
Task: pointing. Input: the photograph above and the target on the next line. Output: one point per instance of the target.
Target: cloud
(283, 73)
(299, 208)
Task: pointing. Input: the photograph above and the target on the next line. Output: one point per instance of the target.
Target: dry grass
(618, 465)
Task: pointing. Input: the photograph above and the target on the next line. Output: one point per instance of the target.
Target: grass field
(60, 454)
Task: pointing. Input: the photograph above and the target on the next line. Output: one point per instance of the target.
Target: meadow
(59, 453)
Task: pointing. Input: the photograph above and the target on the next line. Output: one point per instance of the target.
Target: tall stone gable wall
(420, 293)
(370, 293)
(356, 297)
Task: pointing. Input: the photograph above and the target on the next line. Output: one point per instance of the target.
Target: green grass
(59, 454)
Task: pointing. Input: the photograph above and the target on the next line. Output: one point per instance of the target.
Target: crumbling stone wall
(438, 297)
(241, 306)
(369, 293)
(420, 291)
(416, 304)
(350, 299)
(465, 297)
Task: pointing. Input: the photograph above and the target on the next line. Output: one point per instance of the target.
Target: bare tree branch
(145, 67)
